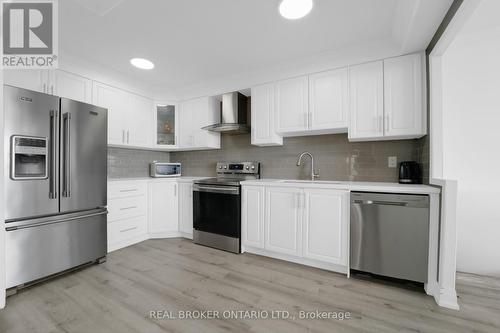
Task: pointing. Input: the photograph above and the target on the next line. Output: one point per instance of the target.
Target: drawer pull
(131, 190)
(127, 208)
(129, 229)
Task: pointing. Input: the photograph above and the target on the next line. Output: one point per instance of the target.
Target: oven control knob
(225, 166)
(247, 167)
(253, 167)
(220, 166)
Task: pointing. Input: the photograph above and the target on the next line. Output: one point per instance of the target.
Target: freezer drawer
(390, 235)
(39, 248)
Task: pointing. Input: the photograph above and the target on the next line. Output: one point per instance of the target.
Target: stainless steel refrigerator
(55, 184)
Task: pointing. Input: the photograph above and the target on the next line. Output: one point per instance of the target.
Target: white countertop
(182, 178)
(348, 185)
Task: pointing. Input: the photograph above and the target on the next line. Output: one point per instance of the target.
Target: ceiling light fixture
(142, 63)
(295, 9)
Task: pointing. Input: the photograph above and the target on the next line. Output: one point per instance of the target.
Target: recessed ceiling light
(142, 63)
(295, 9)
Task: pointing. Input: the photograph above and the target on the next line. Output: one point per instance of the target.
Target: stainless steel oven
(217, 206)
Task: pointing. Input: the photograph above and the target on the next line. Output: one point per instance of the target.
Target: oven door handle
(216, 189)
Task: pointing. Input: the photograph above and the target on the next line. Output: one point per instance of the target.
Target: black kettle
(410, 173)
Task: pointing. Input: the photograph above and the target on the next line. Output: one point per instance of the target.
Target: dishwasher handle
(384, 203)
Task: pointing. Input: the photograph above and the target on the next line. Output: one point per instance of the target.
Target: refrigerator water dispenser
(29, 158)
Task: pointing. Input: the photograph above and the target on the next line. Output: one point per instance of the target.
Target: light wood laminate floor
(176, 275)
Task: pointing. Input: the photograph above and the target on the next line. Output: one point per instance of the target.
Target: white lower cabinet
(325, 225)
(128, 214)
(163, 208)
(149, 208)
(283, 220)
(252, 218)
(304, 225)
(186, 209)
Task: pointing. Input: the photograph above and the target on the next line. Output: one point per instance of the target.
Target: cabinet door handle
(129, 229)
(52, 90)
(123, 136)
(386, 125)
(44, 87)
(127, 208)
(175, 190)
(131, 190)
(128, 136)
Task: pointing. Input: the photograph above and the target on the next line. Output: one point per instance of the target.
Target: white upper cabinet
(129, 116)
(193, 115)
(263, 117)
(139, 121)
(366, 101)
(72, 86)
(118, 104)
(292, 103)
(167, 125)
(403, 96)
(387, 99)
(307, 105)
(325, 225)
(163, 208)
(328, 101)
(54, 82)
(186, 126)
(283, 220)
(33, 79)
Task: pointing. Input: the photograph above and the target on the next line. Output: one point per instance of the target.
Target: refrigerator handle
(47, 222)
(67, 155)
(53, 156)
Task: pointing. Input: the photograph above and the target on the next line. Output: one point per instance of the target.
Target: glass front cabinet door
(166, 125)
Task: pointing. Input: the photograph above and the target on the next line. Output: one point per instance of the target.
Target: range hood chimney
(234, 118)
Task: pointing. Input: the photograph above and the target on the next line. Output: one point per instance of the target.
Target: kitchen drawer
(122, 230)
(123, 189)
(120, 208)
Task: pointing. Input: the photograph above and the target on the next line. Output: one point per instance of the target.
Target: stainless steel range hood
(234, 115)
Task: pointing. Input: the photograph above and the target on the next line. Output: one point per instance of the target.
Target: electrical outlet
(392, 161)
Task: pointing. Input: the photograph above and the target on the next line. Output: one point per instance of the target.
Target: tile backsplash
(129, 163)
(336, 158)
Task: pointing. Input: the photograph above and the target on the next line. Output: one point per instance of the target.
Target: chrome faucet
(313, 175)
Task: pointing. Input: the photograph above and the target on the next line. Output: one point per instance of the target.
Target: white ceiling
(194, 43)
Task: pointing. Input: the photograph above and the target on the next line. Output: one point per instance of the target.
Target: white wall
(471, 137)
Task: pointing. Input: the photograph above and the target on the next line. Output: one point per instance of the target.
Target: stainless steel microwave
(160, 169)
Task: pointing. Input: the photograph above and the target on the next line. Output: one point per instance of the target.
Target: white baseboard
(447, 299)
(156, 235)
(186, 235)
(303, 261)
(165, 234)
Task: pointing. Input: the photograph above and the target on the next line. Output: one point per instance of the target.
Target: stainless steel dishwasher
(390, 234)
